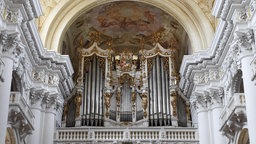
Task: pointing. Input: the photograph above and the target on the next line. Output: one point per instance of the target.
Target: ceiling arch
(186, 12)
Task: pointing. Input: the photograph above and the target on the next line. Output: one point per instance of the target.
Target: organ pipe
(93, 84)
(158, 93)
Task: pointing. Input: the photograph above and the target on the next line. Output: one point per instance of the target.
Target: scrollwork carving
(12, 46)
(36, 96)
(53, 80)
(244, 40)
(38, 75)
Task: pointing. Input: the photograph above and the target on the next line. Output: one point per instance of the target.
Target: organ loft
(133, 86)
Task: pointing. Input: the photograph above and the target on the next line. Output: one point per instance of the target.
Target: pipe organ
(127, 87)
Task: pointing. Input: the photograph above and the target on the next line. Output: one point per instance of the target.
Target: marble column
(218, 138)
(203, 126)
(245, 46)
(199, 102)
(5, 89)
(250, 98)
(36, 108)
(49, 122)
(36, 135)
(216, 110)
(9, 53)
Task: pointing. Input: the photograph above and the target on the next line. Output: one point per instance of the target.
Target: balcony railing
(20, 116)
(18, 103)
(233, 115)
(161, 134)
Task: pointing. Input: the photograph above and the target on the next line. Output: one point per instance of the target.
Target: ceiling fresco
(117, 19)
(126, 24)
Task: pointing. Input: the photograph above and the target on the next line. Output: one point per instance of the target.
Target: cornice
(205, 60)
(48, 60)
(58, 68)
(199, 64)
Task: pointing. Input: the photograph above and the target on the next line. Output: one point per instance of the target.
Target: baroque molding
(225, 9)
(211, 58)
(208, 76)
(29, 9)
(214, 57)
(58, 68)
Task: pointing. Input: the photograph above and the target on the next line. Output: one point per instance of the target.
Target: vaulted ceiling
(124, 24)
(193, 15)
(185, 25)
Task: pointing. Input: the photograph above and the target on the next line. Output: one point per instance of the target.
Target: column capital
(52, 102)
(216, 95)
(243, 43)
(36, 97)
(10, 45)
(201, 100)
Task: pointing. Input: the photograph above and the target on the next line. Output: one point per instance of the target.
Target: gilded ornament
(174, 103)
(188, 112)
(78, 102)
(107, 98)
(144, 98)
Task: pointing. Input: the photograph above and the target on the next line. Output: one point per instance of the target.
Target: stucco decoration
(206, 7)
(47, 6)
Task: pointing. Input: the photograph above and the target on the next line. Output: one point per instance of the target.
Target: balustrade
(236, 104)
(234, 112)
(163, 134)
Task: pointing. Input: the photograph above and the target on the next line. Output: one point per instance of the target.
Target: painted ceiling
(126, 24)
